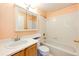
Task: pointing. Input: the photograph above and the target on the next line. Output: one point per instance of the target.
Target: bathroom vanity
(23, 47)
(29, 51)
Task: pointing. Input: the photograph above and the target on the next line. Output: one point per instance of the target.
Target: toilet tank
(37, 37)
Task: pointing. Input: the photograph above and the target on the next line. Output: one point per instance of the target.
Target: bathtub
(58, 49)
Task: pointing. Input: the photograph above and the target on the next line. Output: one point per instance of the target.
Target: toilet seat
(43, 49)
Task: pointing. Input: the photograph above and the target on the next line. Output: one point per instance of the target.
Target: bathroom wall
(62, 26)
(42, 26)
(63, 11)
(7, 22)
(77, 25)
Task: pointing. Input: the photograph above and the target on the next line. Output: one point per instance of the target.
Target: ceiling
(48, 7)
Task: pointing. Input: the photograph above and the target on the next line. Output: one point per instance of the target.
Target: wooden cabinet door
(32, 51)
(26, 52)
(21, 53)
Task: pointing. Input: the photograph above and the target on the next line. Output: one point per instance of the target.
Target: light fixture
(31, 7)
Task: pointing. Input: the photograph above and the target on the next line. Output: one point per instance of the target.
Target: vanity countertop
(8, 48)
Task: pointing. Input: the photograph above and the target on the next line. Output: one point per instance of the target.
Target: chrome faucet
(17, 38)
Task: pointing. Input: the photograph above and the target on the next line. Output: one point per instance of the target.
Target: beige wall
(7, 22)
(42, 26)
(63, 11)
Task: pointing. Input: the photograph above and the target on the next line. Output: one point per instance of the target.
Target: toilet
(42, 50)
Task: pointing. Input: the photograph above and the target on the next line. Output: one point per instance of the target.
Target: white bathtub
(58, 49)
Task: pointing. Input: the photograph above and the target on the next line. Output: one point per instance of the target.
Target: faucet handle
(17, 38)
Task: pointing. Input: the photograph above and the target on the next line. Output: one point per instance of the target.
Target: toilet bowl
(43, 50)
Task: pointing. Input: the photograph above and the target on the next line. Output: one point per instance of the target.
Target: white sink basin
(17, 43)
(21, 42)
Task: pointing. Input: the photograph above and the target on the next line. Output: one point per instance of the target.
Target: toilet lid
(44, 48)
